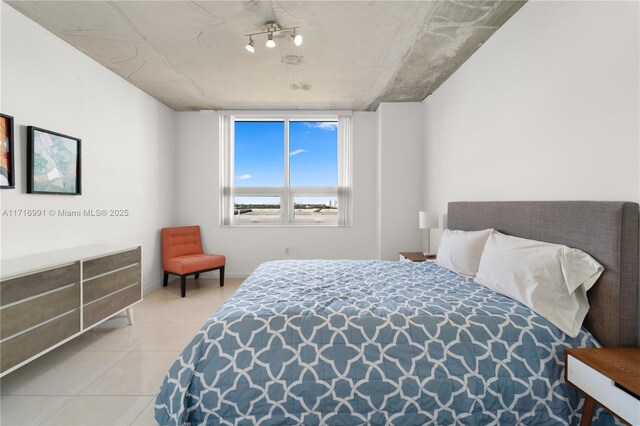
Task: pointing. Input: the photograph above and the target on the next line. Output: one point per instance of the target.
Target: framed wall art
(53, 163)
(7, 171)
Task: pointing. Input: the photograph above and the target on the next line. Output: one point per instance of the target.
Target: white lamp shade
(270, 42)
(429, 220)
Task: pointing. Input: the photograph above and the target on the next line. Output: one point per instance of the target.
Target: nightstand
(607, 376)
(415, 256)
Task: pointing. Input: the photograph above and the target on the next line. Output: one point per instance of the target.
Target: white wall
(400, 141)
(547, 109)
(128, 141)
(245, 248)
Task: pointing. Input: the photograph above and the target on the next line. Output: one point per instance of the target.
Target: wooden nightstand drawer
(622, 402)
(603, 390)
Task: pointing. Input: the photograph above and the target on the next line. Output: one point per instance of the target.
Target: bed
(379, 342)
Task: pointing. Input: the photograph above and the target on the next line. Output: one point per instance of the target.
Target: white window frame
(228, 190)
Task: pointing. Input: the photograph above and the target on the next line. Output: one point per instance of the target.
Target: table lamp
(428, 221)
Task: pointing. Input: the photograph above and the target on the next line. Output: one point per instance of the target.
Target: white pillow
(460, 251)
(551, 279)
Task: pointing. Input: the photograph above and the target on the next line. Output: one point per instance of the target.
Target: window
(285, 170)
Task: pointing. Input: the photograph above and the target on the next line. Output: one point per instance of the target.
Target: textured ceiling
(190, 54)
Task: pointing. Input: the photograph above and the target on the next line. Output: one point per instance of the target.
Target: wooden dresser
(50, 298)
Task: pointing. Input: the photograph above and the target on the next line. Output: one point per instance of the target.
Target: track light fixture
(249, 46)
(269, 29)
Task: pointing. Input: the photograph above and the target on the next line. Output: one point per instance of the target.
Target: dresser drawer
(102, 308)
(603, 390)
(25, 345)
(27, 286)
(102, 265)
(106, 284)
(24, 315)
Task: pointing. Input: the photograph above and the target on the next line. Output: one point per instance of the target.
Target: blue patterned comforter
(370, 342)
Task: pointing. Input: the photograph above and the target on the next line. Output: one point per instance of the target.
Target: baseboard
(148, 288)
(243, 276)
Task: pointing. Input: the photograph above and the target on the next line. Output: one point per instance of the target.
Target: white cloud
(296, 152)
(245, 176)
(324, 125)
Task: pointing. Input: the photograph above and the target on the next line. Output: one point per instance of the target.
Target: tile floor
(111, 374)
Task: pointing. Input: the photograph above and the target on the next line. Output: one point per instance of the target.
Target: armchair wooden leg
(222, 277)
(183, 285)
(197, 276)
(165, 280)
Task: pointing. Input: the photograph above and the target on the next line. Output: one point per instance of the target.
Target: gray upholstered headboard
(608, 231)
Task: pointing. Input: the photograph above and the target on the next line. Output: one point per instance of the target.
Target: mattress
(348, 342)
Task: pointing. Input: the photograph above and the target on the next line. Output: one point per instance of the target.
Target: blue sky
(259, 153)
(313, 153)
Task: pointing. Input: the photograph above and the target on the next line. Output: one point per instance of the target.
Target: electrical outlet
(286, 251)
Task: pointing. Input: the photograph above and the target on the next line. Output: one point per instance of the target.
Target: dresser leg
(587, 411)
(130, 315)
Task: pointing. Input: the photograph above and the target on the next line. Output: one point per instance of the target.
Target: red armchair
(182, 255)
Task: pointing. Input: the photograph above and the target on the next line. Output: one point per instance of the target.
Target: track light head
(270, 43)
(297, 38)
(249, 46)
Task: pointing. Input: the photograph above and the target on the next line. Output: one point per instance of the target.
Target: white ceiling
(190, 54)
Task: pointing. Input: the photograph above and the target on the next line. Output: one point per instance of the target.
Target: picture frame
(53, 163)
(7, 169)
